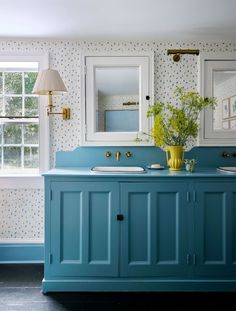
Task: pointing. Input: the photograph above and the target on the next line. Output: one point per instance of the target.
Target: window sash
(10, 179)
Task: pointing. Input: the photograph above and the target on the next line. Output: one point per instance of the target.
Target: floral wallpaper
(21, 210)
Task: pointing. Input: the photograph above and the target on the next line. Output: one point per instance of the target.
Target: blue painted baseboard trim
(21, 253)
(132, 285)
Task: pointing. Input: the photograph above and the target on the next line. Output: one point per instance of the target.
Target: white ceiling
(119, 19)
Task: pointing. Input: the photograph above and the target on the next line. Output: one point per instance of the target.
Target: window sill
(16, 181)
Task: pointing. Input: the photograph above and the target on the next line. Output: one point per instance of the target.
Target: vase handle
(182, 155)
(167, 156)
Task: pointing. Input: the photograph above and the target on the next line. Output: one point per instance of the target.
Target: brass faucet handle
(108, 154)
(128, 154)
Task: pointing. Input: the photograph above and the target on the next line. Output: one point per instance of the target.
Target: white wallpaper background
(21, 211)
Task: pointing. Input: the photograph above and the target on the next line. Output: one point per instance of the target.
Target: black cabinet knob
(120, 217)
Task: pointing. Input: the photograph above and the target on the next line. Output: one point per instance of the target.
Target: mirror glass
(117, 95)
(224, 89)
(218, 79)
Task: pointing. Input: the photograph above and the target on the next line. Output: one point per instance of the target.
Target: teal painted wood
(138, 284)
(165, 220)
(21, 253)
(207, 157)
(83, 229)
(214, 215)
(80, 172)
(154, 233)
(233, 226)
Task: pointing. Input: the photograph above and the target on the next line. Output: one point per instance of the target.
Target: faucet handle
(128, 154)
(108, 154)
(225, 154)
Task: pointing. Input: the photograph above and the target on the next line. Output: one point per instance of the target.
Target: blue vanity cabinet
(155, 230)
(215, 229)
(81, 229)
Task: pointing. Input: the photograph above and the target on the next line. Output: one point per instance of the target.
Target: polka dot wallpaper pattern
(21, 211)
(21, 215)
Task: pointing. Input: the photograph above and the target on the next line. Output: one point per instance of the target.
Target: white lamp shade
(49, 81)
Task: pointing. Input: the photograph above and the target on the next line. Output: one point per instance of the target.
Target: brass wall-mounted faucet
(117, 155)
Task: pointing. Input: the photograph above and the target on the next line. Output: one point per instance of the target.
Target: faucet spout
(117, 155)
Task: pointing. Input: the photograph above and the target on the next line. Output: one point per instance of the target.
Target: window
(22, 121)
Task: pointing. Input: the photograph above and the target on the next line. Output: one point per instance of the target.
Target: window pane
(12, 157)
(12, 134)
(30, 78)
(0, 82)
(31, 157)
(13, 82)
(31, 107)
(13, 106)
(31, 134)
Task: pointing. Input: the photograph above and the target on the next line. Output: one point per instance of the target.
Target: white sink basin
(227, 169)
(119, 169)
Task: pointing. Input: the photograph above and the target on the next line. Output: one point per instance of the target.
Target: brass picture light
(50, 83)
(176, 53)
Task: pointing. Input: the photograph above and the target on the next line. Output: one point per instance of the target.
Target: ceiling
(119, 19)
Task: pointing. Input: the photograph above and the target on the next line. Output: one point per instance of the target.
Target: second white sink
(227, 169)
(118, 169)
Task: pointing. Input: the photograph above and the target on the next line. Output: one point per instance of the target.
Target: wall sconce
(50, 83)
(176, 53)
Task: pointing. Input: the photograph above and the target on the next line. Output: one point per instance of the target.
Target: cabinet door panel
(214, 229)
(234, 228)
(70, 219)
(99, 227)
(139, 228)
(167, 227)
(154, 231)
(84, 230)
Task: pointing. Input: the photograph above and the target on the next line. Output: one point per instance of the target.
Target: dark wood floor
(20, 291)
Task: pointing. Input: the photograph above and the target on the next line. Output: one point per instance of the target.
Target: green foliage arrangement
(175, 126)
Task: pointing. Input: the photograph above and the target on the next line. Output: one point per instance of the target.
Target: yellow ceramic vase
(176, 158)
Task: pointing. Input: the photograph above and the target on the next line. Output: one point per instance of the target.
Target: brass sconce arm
(65, 111)
(176, 53)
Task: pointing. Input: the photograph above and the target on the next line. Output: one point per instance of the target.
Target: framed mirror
(117, 92)
(218, 79)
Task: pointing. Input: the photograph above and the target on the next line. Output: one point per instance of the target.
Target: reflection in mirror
(224, 89)
(117, 96)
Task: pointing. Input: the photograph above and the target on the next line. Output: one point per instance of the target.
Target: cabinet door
(83, 229)
(154, 232)
(215, 229)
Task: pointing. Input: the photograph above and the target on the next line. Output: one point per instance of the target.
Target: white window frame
(34, 181)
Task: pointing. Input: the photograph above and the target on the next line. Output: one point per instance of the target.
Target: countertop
(164, 173)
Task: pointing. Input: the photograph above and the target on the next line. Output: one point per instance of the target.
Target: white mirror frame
(89, 136)
(207, 135)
